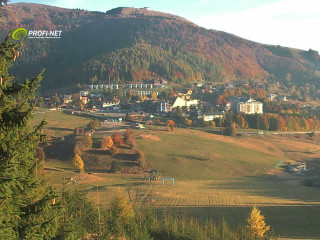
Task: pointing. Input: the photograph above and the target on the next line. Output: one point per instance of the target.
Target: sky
(289, 23)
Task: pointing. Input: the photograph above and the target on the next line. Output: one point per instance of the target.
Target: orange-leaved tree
(256, 224)
(106, 142)
(77, 162)
(170, 124)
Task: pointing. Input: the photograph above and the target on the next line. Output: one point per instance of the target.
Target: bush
(87, 141)
(117, 139)
(114, 150)
(115, 166)
(141, 159)
(170, 124)
(93, 124)
(77, 162)
(130, 138)
(106, 142)
(230, 131)
(188, 122)
(79, 148)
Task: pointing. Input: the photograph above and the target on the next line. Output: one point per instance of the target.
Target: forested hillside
(127, 44)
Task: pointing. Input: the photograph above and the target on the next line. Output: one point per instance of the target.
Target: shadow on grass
(126, 157)
(98, 152)
(192, 157)
(287, 221)
(106, 187)
(53, 169)
(60, 129)
(268, 186)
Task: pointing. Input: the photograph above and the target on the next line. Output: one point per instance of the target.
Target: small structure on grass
(168, 179)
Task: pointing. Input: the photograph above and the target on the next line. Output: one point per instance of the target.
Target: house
(282, 98)
(186, 95)
(199, 83)
(106, 104)
(246, 105)
(162, 106)
(67, 98)
(272, 96)
(211, 117)
(143, 93)
(84, 93)
(180, 102)
(111, 86)
(85, 100)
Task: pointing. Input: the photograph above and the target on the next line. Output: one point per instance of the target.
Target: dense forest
(127, 44)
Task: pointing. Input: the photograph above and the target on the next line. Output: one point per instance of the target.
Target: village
(140, 101)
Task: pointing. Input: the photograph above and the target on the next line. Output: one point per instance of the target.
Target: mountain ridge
(180, 50)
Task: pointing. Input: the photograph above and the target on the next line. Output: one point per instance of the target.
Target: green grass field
(216, 177)
(189, 156)
(59, 123)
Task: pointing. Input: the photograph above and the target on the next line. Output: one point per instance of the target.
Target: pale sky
(289, 23)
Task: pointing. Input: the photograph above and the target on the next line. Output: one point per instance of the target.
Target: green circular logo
(19, 34)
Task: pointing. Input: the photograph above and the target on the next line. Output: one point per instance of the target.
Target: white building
(246, 105)
(179, 102)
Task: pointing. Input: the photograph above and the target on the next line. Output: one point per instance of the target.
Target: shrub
(93, 124)
(117, 139)
(87, 141)
(130, 138)
(115, 166)
(141, 159)
(77, 162)
(106, 142)
(230, 131)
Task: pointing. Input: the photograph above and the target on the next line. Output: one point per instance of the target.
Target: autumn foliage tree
(87, 141)
(141, 158)
(130, 138)
(170, 124)
(77, 162)
(188, 122)
(256, 224)
(117, 139)
(78, 148)
(93, 124)
(119, 215)
(106, 142)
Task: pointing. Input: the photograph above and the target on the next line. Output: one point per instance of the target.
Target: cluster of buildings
(150, 84)
(281, 98)
(193, 108)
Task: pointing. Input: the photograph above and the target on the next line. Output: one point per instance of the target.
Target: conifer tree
(27, 209)
(119, 215)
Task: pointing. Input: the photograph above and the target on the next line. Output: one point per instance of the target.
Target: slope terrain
(128, 44)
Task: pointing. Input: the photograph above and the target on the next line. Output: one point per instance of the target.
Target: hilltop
(129, 44)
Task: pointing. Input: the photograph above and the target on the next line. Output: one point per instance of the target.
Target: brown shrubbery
(106, 142)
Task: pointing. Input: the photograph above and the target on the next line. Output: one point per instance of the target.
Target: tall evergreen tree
(27, 204)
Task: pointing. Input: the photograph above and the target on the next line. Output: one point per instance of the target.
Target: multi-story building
(246, 105)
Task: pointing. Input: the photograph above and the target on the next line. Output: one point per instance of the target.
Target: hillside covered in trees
(128, 44)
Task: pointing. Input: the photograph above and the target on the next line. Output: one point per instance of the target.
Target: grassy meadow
(59, 123)
(188, 155)
(216, 176)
